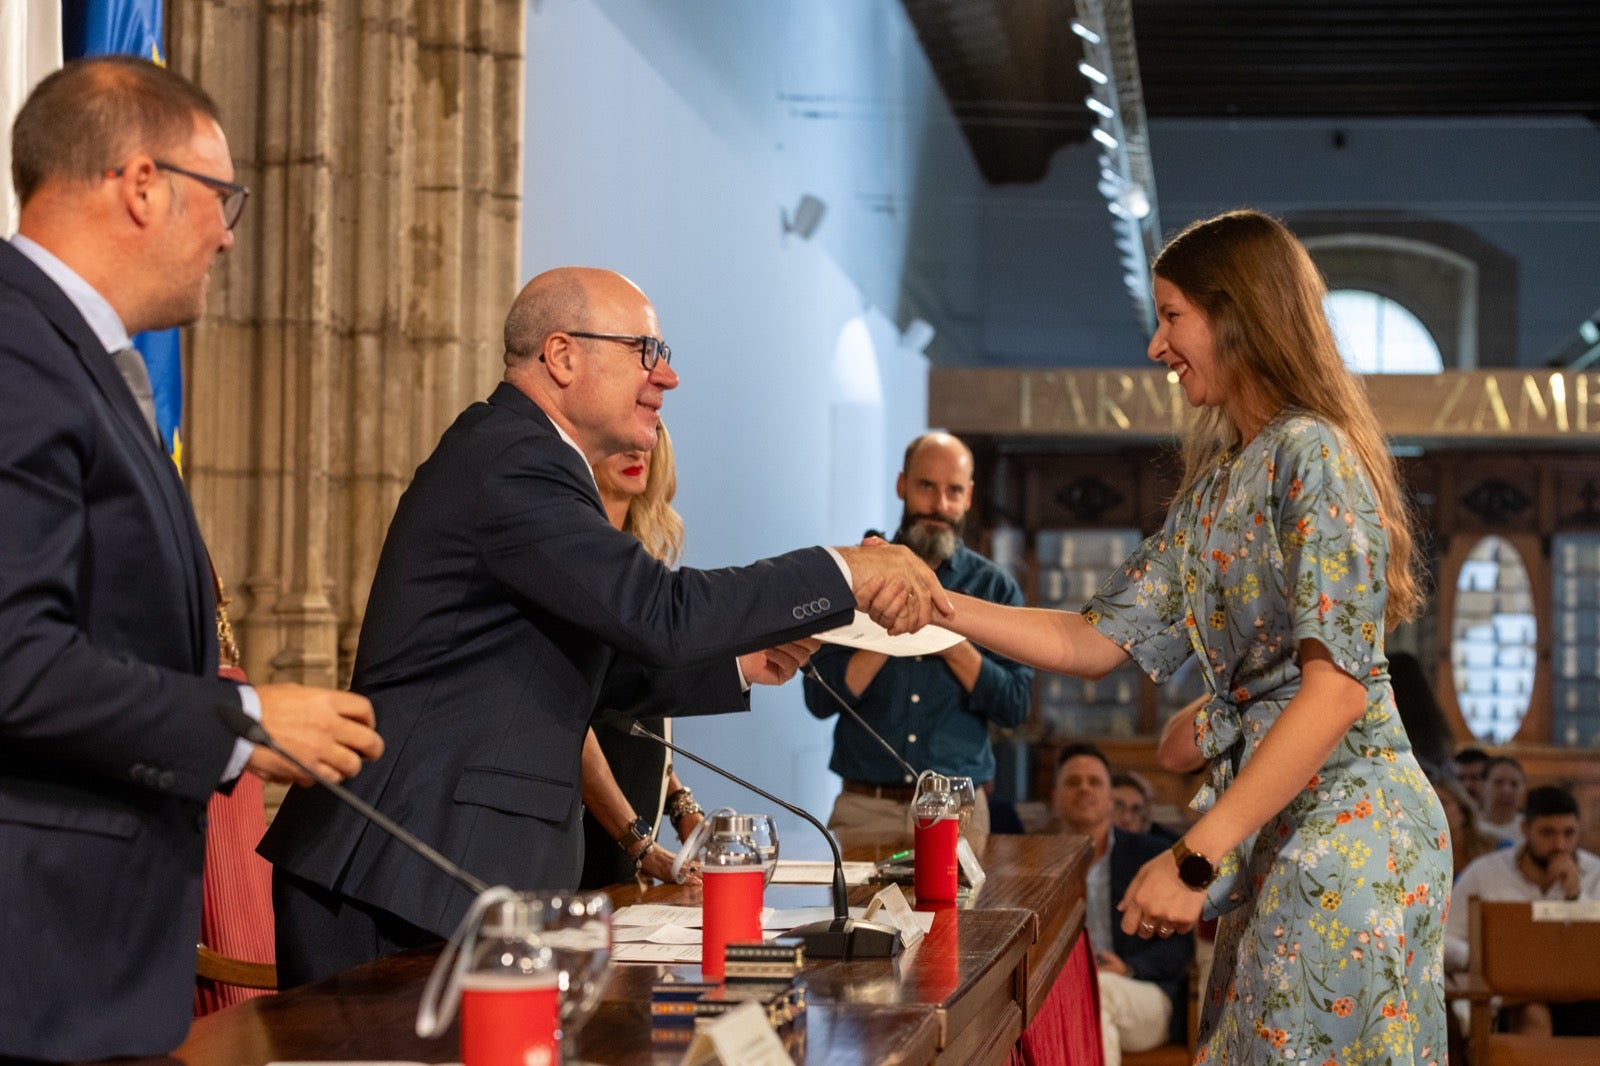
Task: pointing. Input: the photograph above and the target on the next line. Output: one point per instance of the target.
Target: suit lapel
(128, 431)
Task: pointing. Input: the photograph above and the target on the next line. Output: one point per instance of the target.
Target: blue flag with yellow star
(134, 27)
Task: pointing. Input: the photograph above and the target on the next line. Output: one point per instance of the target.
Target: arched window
(1377, 335)
(1460, 288)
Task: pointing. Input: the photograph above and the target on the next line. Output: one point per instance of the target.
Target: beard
(1541, 862)
(932, 543)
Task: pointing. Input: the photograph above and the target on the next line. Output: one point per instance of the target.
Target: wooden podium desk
(964, 994)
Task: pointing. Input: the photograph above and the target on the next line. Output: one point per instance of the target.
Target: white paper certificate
(868, 635)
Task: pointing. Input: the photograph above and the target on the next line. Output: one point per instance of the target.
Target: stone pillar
(361, 307)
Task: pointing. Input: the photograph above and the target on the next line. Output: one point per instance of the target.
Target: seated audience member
(1548, 864)
(1133, 801)
(1500, 811)
(1467, 841)
(1420, 713)
(1471, 766)
(1142, 980)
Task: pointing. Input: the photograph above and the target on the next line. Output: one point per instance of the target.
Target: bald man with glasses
(506, 609)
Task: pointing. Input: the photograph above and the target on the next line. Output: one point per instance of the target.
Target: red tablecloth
(1066, 1031)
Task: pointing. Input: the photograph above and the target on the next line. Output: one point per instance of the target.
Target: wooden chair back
(1531, 953)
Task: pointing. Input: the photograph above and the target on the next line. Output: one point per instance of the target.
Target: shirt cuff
(738, 668)
(844, 567)
(242, 747)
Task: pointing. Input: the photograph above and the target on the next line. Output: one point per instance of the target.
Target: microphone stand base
(847, 939)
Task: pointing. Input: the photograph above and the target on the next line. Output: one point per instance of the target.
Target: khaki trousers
(867, 821)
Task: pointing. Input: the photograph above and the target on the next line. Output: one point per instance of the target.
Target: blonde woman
(1286, 552)
(628, 783)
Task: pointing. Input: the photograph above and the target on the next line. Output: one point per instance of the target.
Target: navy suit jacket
(110, 743)
(503, 602)
(1163, 961)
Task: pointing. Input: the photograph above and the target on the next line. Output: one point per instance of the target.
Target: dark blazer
(503, 602)
(110, 743)
(1162, 961)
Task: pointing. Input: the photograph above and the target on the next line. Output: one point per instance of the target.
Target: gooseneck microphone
(841, 937)
(811, 672)
(242, 725)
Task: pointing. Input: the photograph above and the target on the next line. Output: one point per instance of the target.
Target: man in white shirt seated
(1548, 864)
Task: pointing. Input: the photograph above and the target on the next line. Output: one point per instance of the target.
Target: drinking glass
(764, 835)
(966, 794)
(578, 929)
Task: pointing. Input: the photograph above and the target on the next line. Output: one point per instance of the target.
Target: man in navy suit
(1143, 981)
(110, 742)
(506, 608)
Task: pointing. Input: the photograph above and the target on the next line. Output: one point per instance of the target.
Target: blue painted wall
(664, 140)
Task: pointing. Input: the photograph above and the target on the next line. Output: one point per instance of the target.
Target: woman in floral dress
(1286, 553)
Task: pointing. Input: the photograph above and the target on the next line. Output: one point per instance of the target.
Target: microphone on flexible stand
(811, 672)
(840, 937)
(242, 725)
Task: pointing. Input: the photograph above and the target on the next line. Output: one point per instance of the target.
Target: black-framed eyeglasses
(231, 194)
(651, 349)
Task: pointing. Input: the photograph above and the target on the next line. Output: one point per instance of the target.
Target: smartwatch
(636, 831)
(1194, 870)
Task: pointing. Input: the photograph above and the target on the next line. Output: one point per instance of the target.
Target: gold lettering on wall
(1109, 401)
(1491, 405)
(1453, 393)
(1498, 405)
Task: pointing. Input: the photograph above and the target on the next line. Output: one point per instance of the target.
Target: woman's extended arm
(1058, 641)
(1329, 702)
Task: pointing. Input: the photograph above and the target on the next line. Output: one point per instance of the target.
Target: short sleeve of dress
(1335, 550)
(1140, 606)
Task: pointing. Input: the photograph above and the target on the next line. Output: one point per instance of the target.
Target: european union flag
(134, 27)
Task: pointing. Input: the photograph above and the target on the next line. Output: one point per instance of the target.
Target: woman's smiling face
(1184, 343)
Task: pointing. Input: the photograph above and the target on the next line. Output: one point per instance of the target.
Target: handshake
(896, 589)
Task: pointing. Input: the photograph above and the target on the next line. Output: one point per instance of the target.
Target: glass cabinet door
(1493, 639)
(1072, 565)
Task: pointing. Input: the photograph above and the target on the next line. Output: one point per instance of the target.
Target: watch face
(1195, 871)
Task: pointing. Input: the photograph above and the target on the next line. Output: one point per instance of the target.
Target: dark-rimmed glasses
(651, 349)
(231, 194)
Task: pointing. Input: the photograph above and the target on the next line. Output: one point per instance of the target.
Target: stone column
(361, 307)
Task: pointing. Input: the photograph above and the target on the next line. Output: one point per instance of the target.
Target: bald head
(557, 300)
(942, 441)
(595, 387)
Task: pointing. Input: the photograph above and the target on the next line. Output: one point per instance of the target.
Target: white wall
(657, 139)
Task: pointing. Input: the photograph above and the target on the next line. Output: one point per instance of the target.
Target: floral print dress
(1331, 937)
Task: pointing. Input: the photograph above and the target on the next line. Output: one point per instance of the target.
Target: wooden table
(964, 994)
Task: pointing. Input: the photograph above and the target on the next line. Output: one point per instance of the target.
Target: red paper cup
(732, 913)
(510, 1020)
(934, 865)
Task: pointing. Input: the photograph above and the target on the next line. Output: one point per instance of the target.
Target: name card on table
(970, 866)
(1566, 910)
(740, 1037)
(889, 907)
